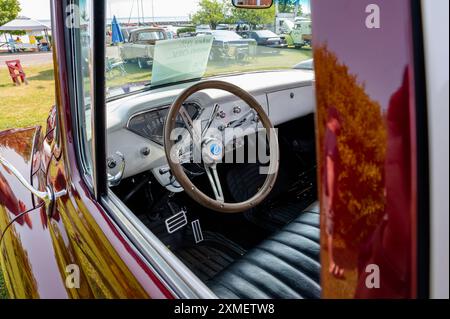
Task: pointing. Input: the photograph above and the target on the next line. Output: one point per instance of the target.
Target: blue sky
(306, 5)
(40, 9)
(36, 9)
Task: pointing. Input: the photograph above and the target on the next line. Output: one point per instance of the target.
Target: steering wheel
(212, 149)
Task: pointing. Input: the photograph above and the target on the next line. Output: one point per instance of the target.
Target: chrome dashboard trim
(155, 109)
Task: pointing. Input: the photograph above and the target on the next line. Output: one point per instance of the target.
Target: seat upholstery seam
(302, 250)
(252, 262)
(288, 264)
(218, 283)
(293, 248)
(300, 235)
(251, 282)
(311, 224)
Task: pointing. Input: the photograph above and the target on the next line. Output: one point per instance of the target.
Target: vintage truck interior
(246, 227)
(270, 250)
(269, 171)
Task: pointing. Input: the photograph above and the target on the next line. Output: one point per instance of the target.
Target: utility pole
(153, 11)
(142, 11)
(139, 13)
(276, 16)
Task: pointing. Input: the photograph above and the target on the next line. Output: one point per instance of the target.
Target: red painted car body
(36, 249)
(375, 93)
(379, 208)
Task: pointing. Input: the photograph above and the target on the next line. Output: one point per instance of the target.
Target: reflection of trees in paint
(19, 141)
(15, 264)
(362, 147)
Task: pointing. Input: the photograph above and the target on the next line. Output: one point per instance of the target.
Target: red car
(201, 179)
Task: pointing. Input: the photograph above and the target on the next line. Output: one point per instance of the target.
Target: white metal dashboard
(135, 123)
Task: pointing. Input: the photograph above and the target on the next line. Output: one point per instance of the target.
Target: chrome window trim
(80, 141)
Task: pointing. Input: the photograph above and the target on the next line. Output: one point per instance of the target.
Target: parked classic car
(348, 198)
(266, 38)
(141, 45)
(230, 45)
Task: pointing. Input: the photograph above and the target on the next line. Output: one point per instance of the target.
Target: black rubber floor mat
(206, 258)
(211, 256)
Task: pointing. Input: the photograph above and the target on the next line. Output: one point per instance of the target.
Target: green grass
(3, 293)
(285, 59)
(26, 105)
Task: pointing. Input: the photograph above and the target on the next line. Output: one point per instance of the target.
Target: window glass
(138, 33)
(150, 36)
(160, 50)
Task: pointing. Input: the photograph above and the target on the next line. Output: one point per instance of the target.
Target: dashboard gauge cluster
(150, 124)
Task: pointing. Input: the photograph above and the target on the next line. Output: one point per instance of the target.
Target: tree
(288, 6)
(9, 10)
(212, 12)
(253, 17)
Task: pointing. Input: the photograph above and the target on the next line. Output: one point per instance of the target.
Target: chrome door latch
(48, 197)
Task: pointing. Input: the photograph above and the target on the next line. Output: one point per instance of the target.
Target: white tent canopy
(24, 24)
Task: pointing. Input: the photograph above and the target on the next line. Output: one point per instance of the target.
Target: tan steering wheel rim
(177, 168)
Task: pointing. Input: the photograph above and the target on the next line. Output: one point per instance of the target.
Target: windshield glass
(165, 42)
(150, 35)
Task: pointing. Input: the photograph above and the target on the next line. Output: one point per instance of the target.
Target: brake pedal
(176, 222)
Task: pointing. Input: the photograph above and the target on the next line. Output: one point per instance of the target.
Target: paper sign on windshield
(180, 59)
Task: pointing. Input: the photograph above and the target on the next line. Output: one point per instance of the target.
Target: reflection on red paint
(8, 198)
(372, 88)
(387, 246)
(357, 204)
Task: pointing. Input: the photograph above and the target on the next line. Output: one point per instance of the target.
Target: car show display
(236, 152)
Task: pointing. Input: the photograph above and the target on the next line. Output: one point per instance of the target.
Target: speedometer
(151, 124)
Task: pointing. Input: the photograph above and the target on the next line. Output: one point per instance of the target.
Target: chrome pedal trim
(197, 230)
(176, 222)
